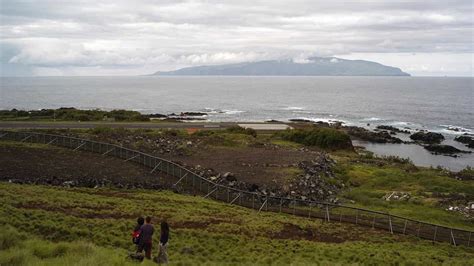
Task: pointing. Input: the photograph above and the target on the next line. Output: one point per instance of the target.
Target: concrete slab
(266, 126)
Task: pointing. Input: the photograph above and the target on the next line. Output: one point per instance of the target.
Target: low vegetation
(431, 191)
(326, 138)
(72, 114)
(58, 226)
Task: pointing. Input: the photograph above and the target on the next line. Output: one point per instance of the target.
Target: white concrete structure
(266, 126)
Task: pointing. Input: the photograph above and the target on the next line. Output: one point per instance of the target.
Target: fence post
(373, 222)
(200, 185)
(452, 237)
(405, 226)
(309, 212)
(281, 203)
(390, 223)
(357, 216)
(435, 232)
(327, 212)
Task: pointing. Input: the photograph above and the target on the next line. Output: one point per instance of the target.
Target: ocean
(441, 104)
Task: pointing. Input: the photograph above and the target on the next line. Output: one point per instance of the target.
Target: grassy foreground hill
(43, 225)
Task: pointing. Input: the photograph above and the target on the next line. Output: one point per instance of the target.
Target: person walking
(145, 243)
(164, 237)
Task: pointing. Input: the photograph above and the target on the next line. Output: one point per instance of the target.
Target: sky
(91, 37)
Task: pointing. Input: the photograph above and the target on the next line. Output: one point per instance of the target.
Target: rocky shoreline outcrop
(392, 130)
(466, 139)
(367, 135)
(443, 149)
(427, 137)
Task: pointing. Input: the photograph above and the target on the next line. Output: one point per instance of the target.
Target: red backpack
(136, 236)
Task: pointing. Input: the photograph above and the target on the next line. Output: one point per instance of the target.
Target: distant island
(314, 66)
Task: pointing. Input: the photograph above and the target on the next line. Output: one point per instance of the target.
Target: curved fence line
(183, 180)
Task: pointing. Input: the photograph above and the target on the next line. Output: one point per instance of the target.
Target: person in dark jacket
(136, 231)
(164, 237)
(146, 236)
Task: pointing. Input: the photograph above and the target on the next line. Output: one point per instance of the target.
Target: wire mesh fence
(183, 180)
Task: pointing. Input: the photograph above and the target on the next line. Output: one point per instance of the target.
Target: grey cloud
(163, 35)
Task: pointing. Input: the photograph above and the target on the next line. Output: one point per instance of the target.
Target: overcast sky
(91, 37)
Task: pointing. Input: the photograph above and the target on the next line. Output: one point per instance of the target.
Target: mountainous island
(314, 66)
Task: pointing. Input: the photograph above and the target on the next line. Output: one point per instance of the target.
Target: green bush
(241, 130)
(326, 138)
(466, 173)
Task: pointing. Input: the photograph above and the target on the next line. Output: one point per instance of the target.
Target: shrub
(241, 130)
(466, 173)
(326, 138)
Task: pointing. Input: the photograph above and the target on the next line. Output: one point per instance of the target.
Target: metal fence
(176, 177)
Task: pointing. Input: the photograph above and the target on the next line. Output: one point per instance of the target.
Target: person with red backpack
(136, 236)
(137, 231)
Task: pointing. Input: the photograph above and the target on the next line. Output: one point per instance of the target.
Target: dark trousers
(147, 247)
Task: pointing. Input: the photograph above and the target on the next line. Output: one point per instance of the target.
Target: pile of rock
(313, 183)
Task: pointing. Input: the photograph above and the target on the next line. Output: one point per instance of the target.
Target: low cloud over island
(139, 37)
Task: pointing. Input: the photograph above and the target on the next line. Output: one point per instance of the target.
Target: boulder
(229, 177)
(427, 137)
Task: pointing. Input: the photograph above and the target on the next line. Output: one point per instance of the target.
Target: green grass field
(57, 226)
(369, 179)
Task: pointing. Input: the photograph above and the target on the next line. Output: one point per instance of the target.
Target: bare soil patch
(259, 165)
(55, 166)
